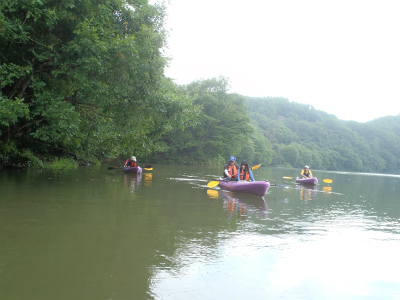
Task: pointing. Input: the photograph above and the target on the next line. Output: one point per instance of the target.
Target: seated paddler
(231, 170)
(245, 172)
(306, 173)
(131, 162)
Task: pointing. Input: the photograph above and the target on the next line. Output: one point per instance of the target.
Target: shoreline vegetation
(83, 82)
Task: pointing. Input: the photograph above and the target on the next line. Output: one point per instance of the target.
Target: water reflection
(233, 206)
(148, 177)
(240, 204)
(213, 194)
(307, 192)
(132, 181)
(81, 234)
(302, 192)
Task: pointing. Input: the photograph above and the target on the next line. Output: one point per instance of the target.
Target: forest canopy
(301, 135)
(85, 80)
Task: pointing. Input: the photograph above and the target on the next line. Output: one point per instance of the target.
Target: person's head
(133, 158)
(232, 160)
(244, 166)
(306, 168)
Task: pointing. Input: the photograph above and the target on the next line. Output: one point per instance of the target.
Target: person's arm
(126, 162)
(251, 175)
(310, 174)
(226, 171)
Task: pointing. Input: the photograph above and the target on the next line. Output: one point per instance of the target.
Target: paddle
(324, 180)
(149, 168)
(212, 184)
(113, 168)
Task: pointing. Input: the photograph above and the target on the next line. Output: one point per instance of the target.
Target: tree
(322, 140)
(263, 152)
(222, 127)
(84, 79)
(290, 154)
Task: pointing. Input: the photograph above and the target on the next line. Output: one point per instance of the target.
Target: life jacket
(306, 174)
(131, 163)
(244, 176)
(232, 170)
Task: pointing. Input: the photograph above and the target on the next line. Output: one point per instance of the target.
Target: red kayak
(134, 170)
(258, 188)
(312, 180)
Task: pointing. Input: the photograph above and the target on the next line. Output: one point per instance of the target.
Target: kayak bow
(312, 180)
(257, 188)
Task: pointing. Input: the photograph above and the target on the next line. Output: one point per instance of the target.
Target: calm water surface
(98, 234)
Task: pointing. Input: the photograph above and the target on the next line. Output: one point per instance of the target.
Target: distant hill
(273, 131)
(301, 135)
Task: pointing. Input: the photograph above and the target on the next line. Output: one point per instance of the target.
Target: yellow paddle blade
(148, 169)
(256, 167)
(212, 184)
(287, 177)
(327, 180)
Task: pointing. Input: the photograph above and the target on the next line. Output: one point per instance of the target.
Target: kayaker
(245, 172)
(131, 162)
(306, 173)
(231, 169)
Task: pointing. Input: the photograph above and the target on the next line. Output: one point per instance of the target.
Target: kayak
(312, 180)
(258, 188)
(134, 170)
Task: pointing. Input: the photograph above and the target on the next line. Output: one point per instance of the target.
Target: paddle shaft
(149, 168)
(324, 180)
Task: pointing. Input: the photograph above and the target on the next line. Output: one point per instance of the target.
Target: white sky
(342, 56)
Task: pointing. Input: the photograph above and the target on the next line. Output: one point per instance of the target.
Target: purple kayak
(134, 170)
(312, 180)
(258, 188)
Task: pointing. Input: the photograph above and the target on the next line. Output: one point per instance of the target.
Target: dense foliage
(301, 135)
(84, 79)
(280, 133)
(222, 126)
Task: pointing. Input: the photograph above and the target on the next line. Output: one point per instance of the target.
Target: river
(99, 234)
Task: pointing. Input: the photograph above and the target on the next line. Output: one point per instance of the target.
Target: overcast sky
(342, 56)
